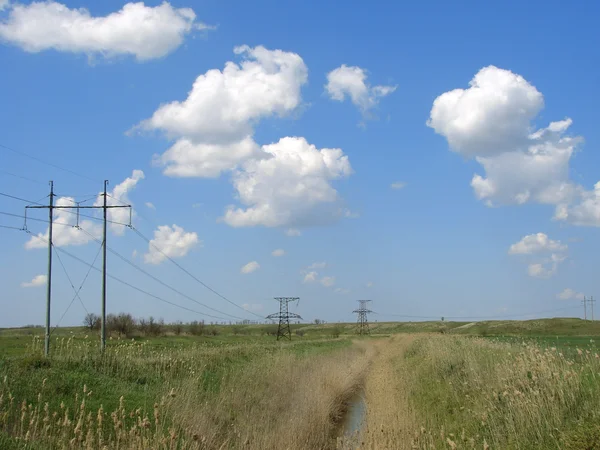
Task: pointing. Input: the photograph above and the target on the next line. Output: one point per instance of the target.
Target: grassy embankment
(178, 392)
(452, 392)
(535, 385)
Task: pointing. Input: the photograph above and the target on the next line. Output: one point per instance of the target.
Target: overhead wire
(192, 275)
(21, 176)
(129, 284)
(135, 266)
(35, 158)
(499, 316)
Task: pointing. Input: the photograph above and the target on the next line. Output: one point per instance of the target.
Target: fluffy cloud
(536, 243)
(142, 31)
(119, 196)
(37, 281)
(310, 277)
(548, 254)
(328, 281)
(492, 122)
(215, 124)
(291, 186)
(4, 4)
(278, 252)
(570, 294)
(285, 184)
(317, 265)
(65, 231)
(170, 241)
(150, 205)
(351, 82)
(398, 185)
(252, 266)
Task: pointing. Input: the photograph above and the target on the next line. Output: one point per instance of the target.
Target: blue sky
(361, 78)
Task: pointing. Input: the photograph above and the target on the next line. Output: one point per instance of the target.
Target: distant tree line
(125, 325)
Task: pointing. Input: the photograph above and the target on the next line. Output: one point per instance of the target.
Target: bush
(335, 332)
(124, 324)
(196, 328)
(299, 333)
(151, 327)
(214, 331)
(92, 321)
(178, 328)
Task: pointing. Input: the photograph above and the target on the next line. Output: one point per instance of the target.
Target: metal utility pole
(52, 207)
(49, 280)
(362, 322)
(592, 301)
(283, 330)
(584, 301)
(103, 320)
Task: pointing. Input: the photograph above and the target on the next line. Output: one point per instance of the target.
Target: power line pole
(103, 320)
(49, 280)
(592, 301)
(52, 207)
(283, 330)
(584, 301)
(362, 322)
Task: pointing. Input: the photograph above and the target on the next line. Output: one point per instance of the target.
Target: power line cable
(478, 317)
(129, 284)
(131, 263)
(191, 275)
(35, 158)
(19, 198)
(22, 177)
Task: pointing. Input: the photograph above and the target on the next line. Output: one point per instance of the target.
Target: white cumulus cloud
(547, 254)
(328, 281)
(491, 121)
(536, 243)
(136, 29)
(119, 196)
(170, 241)
(290, 186)
(570, 294)
(278, 252)
(37, 281)
(64, 230)
(214, 126)
(252, 266)
(310, 277)
(351, 82)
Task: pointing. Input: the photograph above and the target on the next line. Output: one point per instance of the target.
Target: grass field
(495, 385)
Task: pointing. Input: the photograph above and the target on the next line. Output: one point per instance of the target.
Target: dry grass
(475, 393)
(251, 396)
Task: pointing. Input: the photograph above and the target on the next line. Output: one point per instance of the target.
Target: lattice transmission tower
(362, 322)
(283, 330)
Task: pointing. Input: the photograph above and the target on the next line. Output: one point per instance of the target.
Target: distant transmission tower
(363, 322)
(283, 330)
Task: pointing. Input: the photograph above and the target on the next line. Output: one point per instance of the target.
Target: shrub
(196, 328)
(124, 324)
(92, 321)
(178, 328)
